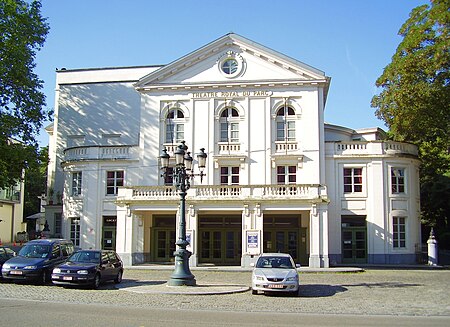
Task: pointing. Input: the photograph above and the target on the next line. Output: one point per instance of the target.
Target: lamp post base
(182, 275)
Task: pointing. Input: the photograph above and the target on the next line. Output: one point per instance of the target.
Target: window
(397, 180)
(75, 231)
(229, 125)
(229, 175)
(105, 257)
(114, 179)
(168, 176)
(58, 223)
(230, 66)
(352, 180)
(174, 126)
(76, 183)
(286, 174)
(66, 249)
(399, 232)
(75, 140)
(111, 138)
(56, 251)
(285, 124)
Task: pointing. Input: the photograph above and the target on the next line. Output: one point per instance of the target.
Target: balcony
(100, 153)
(286, 146)
(10, 194)
(227, 148)
(225, 193)
(370, 148)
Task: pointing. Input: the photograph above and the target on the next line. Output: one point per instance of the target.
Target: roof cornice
(236, 84)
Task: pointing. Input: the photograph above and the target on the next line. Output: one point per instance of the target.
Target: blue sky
(350, 40)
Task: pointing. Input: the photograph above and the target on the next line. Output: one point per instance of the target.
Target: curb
(152, 287)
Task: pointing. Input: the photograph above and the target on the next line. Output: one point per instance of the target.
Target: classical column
(318, 223)
(124, 235)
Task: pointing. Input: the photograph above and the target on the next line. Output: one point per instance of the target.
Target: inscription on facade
(231, 94)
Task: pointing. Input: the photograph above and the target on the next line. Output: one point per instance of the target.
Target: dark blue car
(89, 268)
(6, 253)
(36, 260)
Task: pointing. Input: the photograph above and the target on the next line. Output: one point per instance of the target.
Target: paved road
(46, 314)
(405, 293)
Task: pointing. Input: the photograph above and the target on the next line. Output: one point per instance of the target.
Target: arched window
(229, 125)
(174, 126)
(285, 124)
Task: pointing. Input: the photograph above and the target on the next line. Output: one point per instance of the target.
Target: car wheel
(118, 278)
(254, 292)
(96, 282)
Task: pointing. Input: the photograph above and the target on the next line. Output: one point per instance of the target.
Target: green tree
(414, 102)
(22, 113)
(35, 183)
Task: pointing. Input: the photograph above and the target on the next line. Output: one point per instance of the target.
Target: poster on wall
(190, 239)
(252, 237)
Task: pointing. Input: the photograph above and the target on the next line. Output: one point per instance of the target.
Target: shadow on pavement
(383, 285)
(137, 282)
(316, 290)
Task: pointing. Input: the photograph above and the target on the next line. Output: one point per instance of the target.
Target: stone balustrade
(99, 153)
(224, 192)
(357, 148)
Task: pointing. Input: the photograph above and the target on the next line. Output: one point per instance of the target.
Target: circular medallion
(231, 64)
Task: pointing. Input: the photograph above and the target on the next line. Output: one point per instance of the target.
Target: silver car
(275, 272)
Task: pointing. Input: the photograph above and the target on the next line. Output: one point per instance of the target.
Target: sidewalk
(142, 286)
(161, 287)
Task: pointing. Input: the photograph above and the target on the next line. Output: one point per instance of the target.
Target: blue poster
(252, 239)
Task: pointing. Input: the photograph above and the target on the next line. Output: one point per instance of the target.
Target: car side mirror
(252, 264)
(298, 265)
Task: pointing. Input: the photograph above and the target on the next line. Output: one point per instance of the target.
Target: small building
(11, 213)
(278, 177)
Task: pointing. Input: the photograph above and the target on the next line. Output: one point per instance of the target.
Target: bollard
(432, 249)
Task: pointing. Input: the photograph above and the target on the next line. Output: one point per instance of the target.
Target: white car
(275, 272)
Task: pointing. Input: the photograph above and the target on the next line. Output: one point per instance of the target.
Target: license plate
(16, 272)
(67, 278)
(275, 286)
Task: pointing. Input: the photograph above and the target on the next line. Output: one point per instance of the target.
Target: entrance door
(220, 247)
(220, 241)
(282, 233)
(164, 245)
(286, 241)
(163, 234)
(354, 239)
(109, 232)
(109, 238)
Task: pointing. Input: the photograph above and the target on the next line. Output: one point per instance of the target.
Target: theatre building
(278, 178)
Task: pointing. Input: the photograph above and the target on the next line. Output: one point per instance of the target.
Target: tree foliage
(414, 102)
(35, 183)
(22, 113)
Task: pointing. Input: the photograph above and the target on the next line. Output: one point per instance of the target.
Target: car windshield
(274, 262)
(35, 251)
(85, 256)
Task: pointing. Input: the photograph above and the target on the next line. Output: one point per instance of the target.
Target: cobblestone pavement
(373, 292)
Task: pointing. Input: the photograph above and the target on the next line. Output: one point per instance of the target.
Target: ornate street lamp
(182, 174)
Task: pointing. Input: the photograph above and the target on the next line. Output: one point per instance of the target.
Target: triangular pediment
(231, 59)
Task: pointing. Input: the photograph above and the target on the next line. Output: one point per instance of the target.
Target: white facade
(278, 178)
